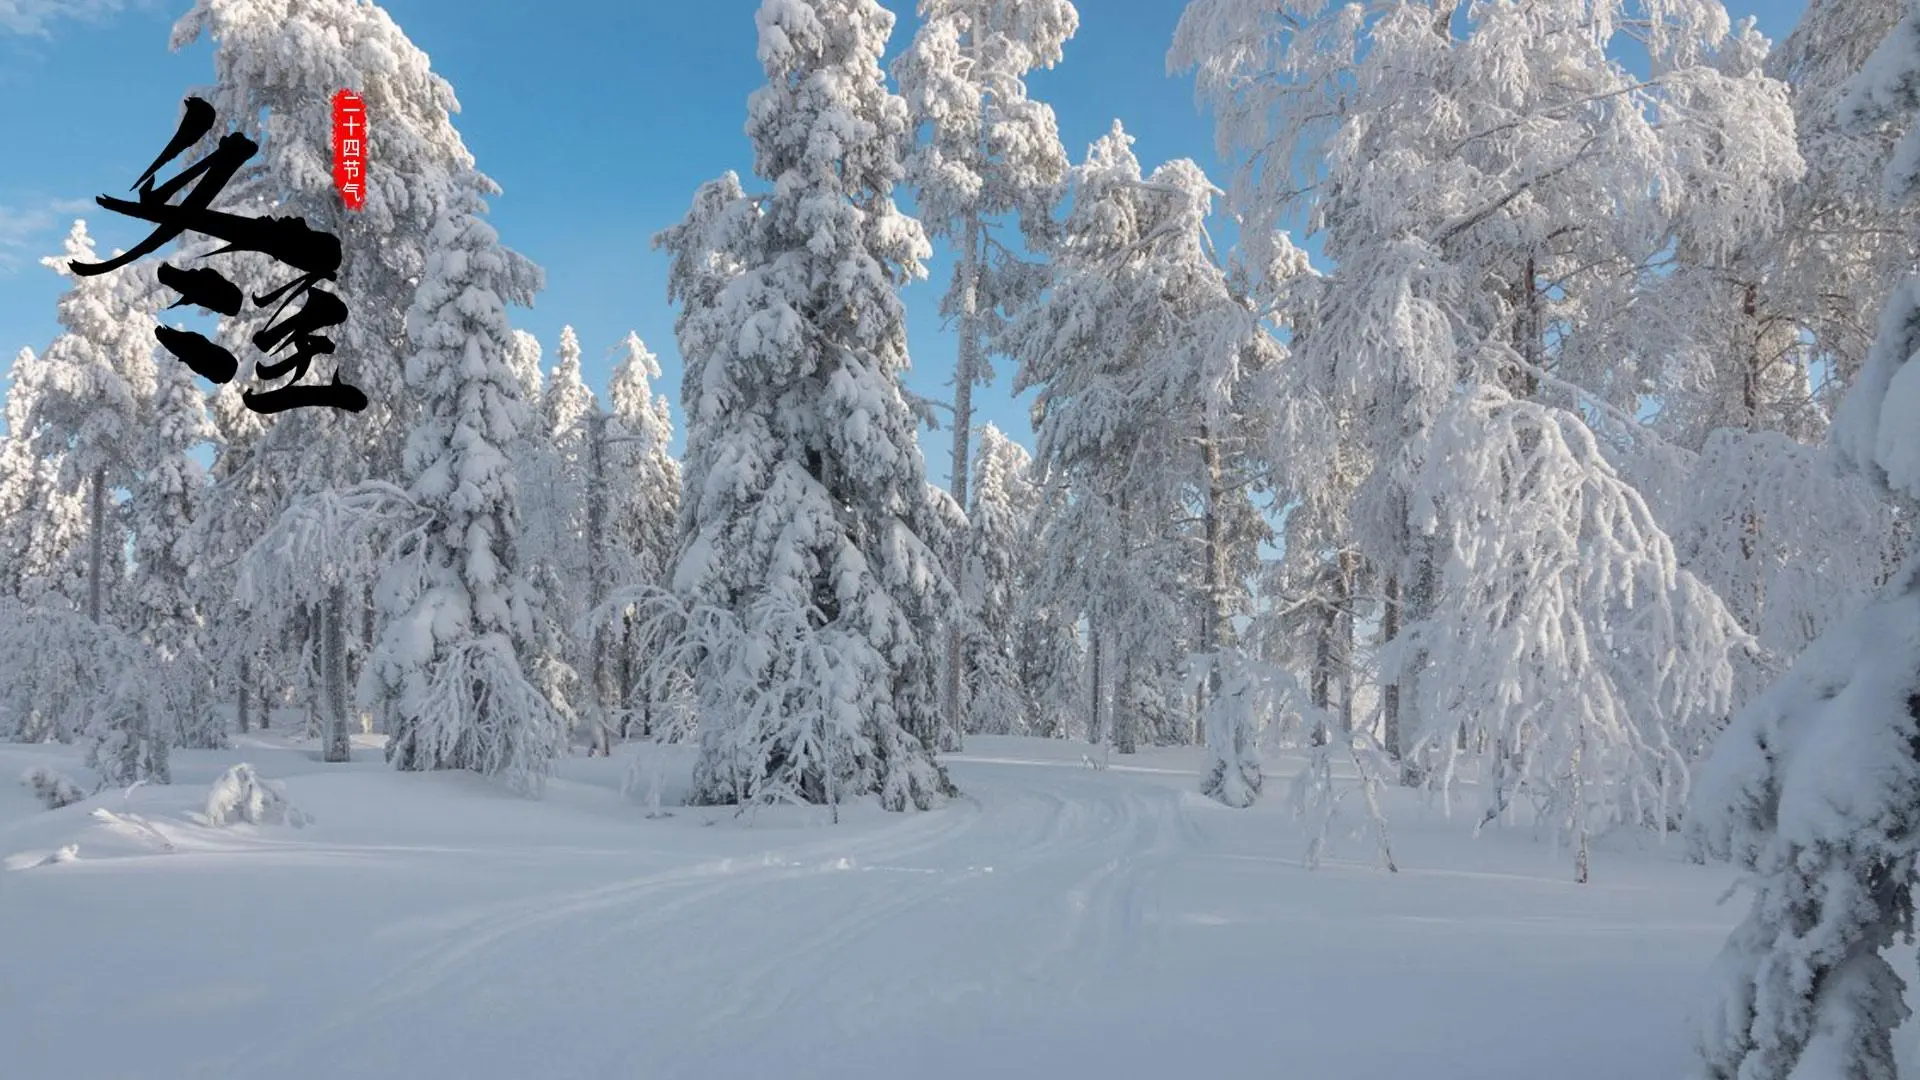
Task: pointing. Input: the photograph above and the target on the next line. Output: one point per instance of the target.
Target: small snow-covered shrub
(51, 787)
(242, 795)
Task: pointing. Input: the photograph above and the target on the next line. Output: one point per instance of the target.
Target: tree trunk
(598, 586)
(243, 707)
(1217, 627)
(1419, 603)
(1094, 734)
(1390, 691)
(97, 558)
(626, 683)
(1126, 716)
(1320, 685)
(966, 372)
(1750, 405)
(1122, 714)
(333, 650)
(1343, 660)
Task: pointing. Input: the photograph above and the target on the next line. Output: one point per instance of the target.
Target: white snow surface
(1056, 921)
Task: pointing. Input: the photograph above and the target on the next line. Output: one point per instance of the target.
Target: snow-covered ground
(1056, 922)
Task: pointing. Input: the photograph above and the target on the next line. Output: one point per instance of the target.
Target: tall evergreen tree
(991, 152)
(810, 557)
(458, 618)
(166, 502)
(990, 672)
(277, 65)
(100, 375)
(43, 523)
(635, 508)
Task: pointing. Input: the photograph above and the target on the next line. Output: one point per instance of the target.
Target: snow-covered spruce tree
(1050, 652)
(98, 374)
(811, 555)
(457, 617)
(525, 356)
(246, 660)
(554, 540)
(1815, 788)
(169, 497)
(277, 65)
(636, 509)
(991, 151)
(990, 674)
(43, 524)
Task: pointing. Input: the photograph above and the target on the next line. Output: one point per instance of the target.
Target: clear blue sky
(598, 117)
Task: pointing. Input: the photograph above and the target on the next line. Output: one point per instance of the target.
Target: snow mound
(51, 787)
(242, 795)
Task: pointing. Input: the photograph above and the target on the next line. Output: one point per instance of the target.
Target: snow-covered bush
(63, 676)
(51, 787)
(242, 795)
(1241, 693)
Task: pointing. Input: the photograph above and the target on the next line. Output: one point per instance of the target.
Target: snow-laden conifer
(169, 496)
(43, 523)
(97, 376)
(277, 65)
(634, 512)
(811, 556)
(1003, 502)
(991, 151)
(458, 617)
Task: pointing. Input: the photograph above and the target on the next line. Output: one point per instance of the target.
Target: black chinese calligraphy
(290, 241)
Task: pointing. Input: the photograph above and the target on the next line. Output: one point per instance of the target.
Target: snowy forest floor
(1057, 921)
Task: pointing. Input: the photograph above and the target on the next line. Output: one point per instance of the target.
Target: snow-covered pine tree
(169, 497)
(811, 555)
(457, 616)
(1051, 652)
(1815, 788)
(43, 523)
(991, 152)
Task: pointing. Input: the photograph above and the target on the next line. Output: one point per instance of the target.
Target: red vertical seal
(350, 148)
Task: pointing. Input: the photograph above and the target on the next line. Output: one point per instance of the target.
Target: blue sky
(598, 117)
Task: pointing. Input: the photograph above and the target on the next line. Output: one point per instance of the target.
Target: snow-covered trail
(1057, 921)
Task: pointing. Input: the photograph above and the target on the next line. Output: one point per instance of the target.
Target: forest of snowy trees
(1544, 439)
